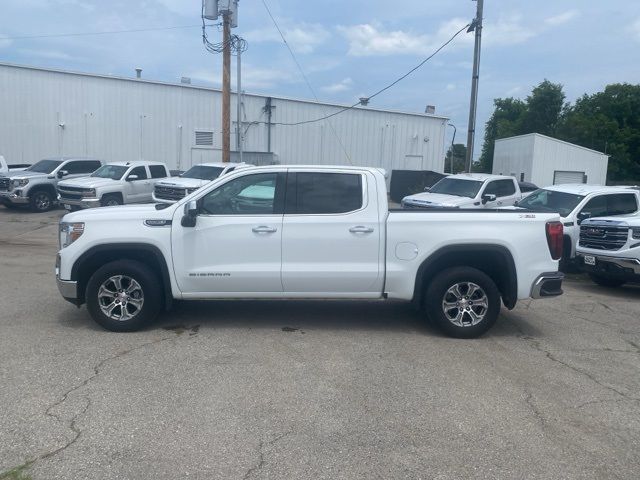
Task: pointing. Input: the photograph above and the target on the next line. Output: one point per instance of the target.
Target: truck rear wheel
(604, 281)
(463, 301)
(123, 296)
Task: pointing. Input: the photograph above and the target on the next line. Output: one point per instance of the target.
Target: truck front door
(234, 249)
(331, 235)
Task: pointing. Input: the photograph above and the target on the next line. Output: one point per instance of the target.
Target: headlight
(20, 182)
(70, 232)
(635, 233)
(89, 193)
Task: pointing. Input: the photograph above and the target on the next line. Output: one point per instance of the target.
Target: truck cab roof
(479, 176)
(585, 189)
(136, 163)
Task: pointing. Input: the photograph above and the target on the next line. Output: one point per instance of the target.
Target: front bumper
(164, 200)
(68, 289)
(620, 266)
(13, 198)
(81, 202)
(547, 285)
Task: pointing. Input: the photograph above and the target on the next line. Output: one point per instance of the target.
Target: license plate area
(589, 260)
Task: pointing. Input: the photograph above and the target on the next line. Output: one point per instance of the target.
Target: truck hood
(182, 182)
(439, 200)
(630, 221)
(26, 174)
(120, 213)
(88, 182)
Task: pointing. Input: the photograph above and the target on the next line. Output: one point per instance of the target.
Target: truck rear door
(331, 234)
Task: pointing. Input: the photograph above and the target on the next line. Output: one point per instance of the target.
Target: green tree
(504, 122)
(544, 109)
(459, 155)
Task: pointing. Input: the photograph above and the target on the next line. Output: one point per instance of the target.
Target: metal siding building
(50, 112)
(548, 161)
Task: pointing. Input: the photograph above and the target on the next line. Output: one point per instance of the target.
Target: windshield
(457, 187)
(551, 201)
(114, 172)
(44, 166)
(202, 172)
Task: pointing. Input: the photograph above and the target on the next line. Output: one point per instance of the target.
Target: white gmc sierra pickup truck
(306, 232)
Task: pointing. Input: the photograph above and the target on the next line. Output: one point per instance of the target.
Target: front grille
(603, 237)
(169, 193)
(5, 183)
(70, 193)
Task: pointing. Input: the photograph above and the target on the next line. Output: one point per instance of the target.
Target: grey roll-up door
(561, 177)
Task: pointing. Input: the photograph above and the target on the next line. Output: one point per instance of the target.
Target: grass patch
(17, 473)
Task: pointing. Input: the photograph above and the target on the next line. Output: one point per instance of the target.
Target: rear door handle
(361, 229)
(264, 229)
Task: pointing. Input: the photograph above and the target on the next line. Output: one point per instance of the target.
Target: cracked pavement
(311, 389)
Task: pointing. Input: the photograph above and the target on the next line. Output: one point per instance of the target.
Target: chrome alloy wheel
(42, 201)
(465, 304)
(120, 297)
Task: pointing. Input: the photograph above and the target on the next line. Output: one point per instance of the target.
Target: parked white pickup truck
(176, 188)
(306, 232)
(112, 184)
(609, 249)
(5, 168)
(577, 202)
(467, 190)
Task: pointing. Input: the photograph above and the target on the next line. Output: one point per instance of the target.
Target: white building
(548, 161)
(51, 112)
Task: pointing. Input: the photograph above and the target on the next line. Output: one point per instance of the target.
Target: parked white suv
(467, 190)
(176, 188)
(576, 202)
(113, 184)
(36, 185)
(609, 249)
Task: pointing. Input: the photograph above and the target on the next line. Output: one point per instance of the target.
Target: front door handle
(264, 229)
(361, 229)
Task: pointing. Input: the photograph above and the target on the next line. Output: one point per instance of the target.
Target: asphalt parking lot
(310, 389)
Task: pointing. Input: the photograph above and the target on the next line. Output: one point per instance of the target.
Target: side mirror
(515, 204)
(427, 189)
(190, 214)
(63, 173)
(131, 178)
(583, 216)
(488, 197)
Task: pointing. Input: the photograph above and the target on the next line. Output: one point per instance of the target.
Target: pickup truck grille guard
(601, 237)
(169, 193)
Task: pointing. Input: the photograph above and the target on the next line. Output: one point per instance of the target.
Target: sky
(347, 49)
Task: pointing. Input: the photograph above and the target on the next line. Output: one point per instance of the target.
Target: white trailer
(547, 161)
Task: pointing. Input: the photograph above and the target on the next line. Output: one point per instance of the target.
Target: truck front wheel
(463, 301)
(123, 296)
(609, 282)
(111, 200)
(40, 201)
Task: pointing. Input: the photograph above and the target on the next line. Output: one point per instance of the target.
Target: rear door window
(324, 193)
(621, 204)
(158, 171)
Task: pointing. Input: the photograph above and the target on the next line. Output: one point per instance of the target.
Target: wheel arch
(98, 255)
(112, 194)
(47, 187)
(496, 261)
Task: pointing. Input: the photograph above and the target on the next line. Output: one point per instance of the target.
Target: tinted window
(248, 195)
(203, 172)
(551, 201)
(81, 166)
(527, 187)
(327, 192)
(157, 171)
(114, 172)
(457, 187)
(621, 204)
(44, 166)
(500, 188)
(596, 207)
(140, 172)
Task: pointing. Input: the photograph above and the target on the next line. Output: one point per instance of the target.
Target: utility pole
(455, 130)
(239, 103)
(477, 26)
(226, 88)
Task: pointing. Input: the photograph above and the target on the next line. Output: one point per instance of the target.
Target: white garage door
(561, 177)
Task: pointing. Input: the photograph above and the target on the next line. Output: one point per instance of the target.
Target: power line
(306, 80)
(384, 88)
(53, 35)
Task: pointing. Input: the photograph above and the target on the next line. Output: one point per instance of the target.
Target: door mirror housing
(131, 178)
(427, 189)
(583, 216)
(488, 197)
(63, 173)
(190, 214)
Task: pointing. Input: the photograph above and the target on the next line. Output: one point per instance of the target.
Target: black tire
(150, 291)
(486, 298)
(110, 200)
(40, 201)
(609, 282)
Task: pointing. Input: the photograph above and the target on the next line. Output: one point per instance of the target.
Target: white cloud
(342, 86)
(508, 30)
(252, 77)
(450, 87)
(50, 54)
(562, 18)
(301, 37)
(4, 41)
